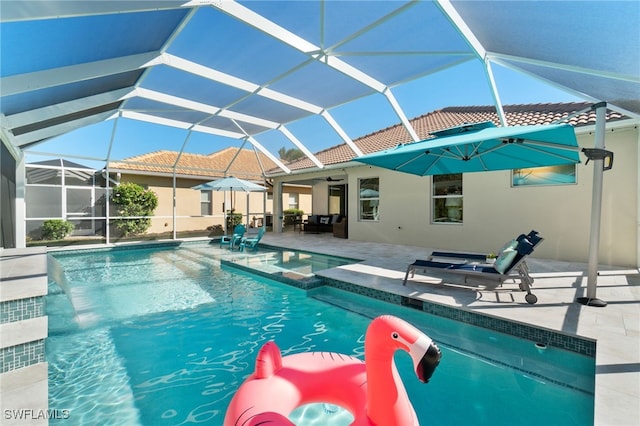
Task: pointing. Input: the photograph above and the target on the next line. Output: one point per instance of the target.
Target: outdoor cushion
(513, 244)
(325, 220)
(505, 259)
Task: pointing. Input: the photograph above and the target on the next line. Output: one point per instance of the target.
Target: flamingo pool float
(372, 391)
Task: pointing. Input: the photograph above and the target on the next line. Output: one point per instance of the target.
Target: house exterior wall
(305, 198)
(495, 212)
(320, 198)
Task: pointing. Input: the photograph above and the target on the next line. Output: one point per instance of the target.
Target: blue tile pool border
(535, 334)
(22, 355)
(22, 309)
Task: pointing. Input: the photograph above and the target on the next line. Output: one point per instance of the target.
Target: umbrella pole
(596, 210)
(248, 210)
(226, 216)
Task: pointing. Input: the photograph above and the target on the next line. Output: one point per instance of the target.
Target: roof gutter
(611, 125)
(328, 168)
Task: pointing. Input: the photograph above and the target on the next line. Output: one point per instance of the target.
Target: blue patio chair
(510, 264)
(252, 243)
(232, 240)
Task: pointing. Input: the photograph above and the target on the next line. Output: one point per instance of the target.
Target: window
(447, 198)
(564, 174)
(205, 203)
(293, 200)
(369, 198)
(338, 199)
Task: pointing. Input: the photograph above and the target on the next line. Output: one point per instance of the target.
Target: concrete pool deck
(616, 328)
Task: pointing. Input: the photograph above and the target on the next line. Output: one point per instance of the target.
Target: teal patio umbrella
(481, 147)
(485, 147)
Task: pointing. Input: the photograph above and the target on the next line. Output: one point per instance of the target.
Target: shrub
(133, 200)
(215, 230)
(291, 214)
(233, 219)
(56, 229)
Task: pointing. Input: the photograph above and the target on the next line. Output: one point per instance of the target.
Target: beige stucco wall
(495, 212)
(304, 198)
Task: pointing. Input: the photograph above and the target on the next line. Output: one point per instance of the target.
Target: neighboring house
(197, 210)
(480, 211)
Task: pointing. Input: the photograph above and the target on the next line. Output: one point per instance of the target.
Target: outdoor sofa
(320, 223)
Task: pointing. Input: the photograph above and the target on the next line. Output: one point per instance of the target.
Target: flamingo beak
(428, 363)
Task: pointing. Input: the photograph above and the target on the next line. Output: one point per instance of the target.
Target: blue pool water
(303, 264)
(166, 336)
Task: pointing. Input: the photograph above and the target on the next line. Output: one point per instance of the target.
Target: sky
(461, 86)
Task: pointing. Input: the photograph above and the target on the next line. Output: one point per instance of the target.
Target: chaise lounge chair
(510, 264)
(252, 243)
(233, 240)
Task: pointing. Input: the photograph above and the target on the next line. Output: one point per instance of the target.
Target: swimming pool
(295, 264)
(165, 336)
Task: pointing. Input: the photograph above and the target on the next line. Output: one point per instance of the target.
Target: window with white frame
(369, 199)
(205, 203)
(447, 206)
(293, 200)
(564, 174)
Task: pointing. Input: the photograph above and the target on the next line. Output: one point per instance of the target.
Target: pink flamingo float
(372, 391)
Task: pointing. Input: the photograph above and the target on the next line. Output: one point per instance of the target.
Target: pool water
(301, 263)
(166, 336)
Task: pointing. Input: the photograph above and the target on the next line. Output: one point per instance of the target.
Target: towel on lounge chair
(510, 263)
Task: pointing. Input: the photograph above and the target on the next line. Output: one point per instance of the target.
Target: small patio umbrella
(232, 184)
(481, 147)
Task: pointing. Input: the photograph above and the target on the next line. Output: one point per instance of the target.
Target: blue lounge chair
(252, 243)
(510, 264)
(233, 240)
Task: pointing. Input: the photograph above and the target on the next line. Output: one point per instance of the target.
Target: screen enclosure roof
(242, 71)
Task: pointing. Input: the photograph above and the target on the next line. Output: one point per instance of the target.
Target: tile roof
(247, 165)
(424, 125)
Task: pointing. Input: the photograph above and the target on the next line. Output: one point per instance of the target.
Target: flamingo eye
(394, 335)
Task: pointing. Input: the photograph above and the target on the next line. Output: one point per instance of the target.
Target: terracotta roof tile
(247, 164)
(424, 125)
